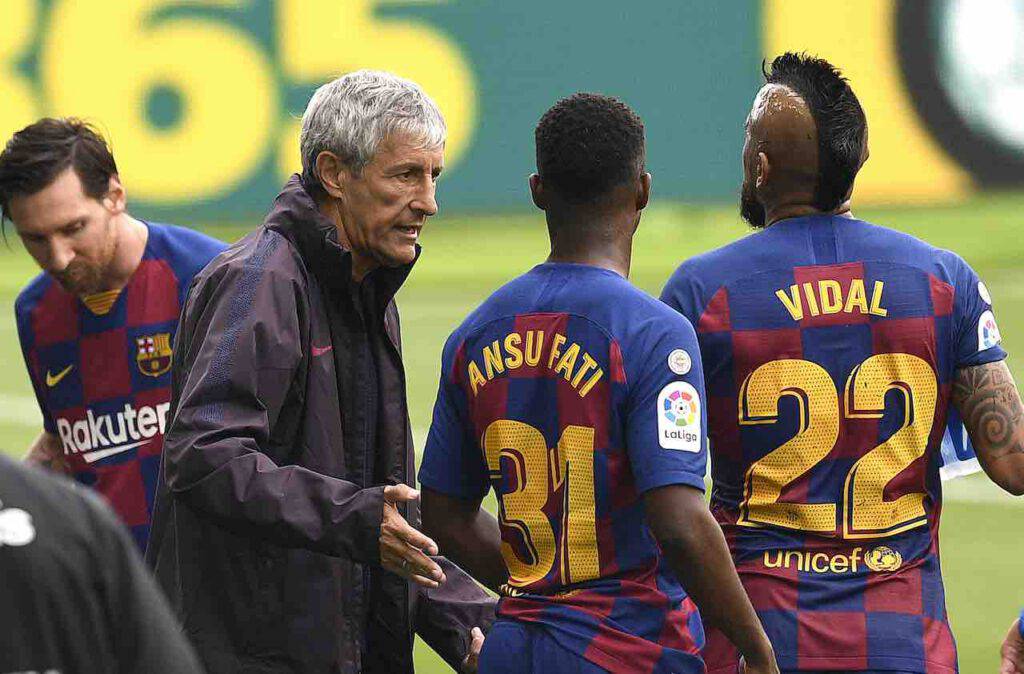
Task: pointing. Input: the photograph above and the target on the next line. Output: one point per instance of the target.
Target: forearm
(46, 452)
(697, 553)
(468, 536)
(991, 408)
(290, 506)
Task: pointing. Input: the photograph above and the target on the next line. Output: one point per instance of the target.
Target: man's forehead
(398, 148)
(64, 199)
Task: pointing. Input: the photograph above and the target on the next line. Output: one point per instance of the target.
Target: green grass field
(466, 258)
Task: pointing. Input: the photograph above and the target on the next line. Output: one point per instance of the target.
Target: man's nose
(59, 257)
(426, 202)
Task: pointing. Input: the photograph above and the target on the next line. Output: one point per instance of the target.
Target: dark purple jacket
(269, 504)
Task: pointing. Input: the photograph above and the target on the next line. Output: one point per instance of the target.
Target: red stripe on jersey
(723, 431)
(104, 361)
(121, 484)
(55, 317)
(827, 299)
(622, 653)
(939, 647)
(152, 294)
(615, 363)
(943, 296)
(153, 398)
(676, 632)
(895, 592)
(549, 324)
(825, 635)
(915, 336)
(753, 348)
(716, 314)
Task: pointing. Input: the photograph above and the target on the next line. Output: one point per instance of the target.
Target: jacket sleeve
(445, 615)
(238, 351)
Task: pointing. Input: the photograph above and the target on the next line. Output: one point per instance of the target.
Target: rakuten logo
(96, 437)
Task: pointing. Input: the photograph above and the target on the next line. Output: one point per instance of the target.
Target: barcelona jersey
(102, 374)
(570, 393)
(829, 346)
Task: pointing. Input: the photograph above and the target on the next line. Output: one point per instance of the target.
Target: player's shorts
(518, 648)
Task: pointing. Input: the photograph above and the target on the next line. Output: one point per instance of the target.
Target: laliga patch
(679, 417)
(988, 331)
(679, 361)
(983, 291)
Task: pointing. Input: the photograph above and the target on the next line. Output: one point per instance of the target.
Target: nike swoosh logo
(91, 457)
(53, 380)
(321, 350)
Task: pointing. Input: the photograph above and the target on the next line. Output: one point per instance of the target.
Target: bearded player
(96, 326)
(833, 350)
(579, 400)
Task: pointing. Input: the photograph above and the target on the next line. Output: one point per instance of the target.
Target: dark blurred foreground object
(76, 595)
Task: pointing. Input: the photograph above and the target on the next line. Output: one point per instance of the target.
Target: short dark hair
(37, 154)
(837, 115)
(587, 144)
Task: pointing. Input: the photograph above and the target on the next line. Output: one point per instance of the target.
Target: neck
(129, 247)
(797, 210)
(611, 251)
(361, 264)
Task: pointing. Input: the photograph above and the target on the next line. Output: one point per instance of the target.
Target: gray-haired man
(282, 527)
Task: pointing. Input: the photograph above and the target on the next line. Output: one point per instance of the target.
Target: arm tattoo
(991, 408)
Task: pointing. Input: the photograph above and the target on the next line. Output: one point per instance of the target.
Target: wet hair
(837, 114)
(37, 154)
(588, 144)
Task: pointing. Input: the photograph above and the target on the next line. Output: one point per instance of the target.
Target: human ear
(332, 172)
(643, 193)
(115, 199)
(537, 192)
(762, 170)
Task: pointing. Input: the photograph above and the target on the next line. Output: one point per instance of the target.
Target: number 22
(865, 511)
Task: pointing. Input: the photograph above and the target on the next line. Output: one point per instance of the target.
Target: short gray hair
(353, 114)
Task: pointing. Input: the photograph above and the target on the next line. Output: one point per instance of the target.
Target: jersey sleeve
(682, 293)
(976, 336)
(26, 339)
(452, 463)
(666, 419)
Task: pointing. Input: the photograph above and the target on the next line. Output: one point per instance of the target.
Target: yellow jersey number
(865, 511)
(538, 473)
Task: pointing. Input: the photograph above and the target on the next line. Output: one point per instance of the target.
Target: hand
(402, 548)
(1012, 652)
(469, 665)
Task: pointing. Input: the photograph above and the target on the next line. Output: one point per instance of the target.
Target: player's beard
(80, 278)
(751, 209)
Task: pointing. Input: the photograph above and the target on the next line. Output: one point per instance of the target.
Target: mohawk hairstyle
(837, 114)
(587, 144)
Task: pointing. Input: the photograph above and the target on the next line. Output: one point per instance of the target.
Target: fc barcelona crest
(154, 354)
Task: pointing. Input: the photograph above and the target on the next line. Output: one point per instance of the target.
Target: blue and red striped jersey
(103, 381)
(570, 393)
(829, 346)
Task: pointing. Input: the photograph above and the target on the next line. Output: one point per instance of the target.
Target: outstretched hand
(403, 549)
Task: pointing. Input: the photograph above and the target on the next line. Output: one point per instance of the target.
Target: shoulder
(705, 273)
(186, 250)
(31, 294)
(262, 254)
(882, 243)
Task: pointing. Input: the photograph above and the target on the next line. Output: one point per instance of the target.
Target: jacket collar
(295, 215)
